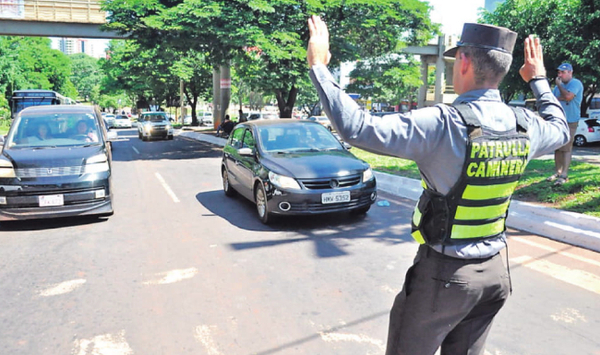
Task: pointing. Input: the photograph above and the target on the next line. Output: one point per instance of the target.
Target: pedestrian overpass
(54, 18)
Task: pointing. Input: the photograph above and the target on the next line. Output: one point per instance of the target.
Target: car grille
(319, 207)
(47, 172)
(329, 183)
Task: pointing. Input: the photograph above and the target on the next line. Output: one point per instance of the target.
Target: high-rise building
(93, 48)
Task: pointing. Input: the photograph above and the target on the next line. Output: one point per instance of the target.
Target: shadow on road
(327, 231)
(54, 223)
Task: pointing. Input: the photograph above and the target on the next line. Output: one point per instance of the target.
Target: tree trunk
(286, 106)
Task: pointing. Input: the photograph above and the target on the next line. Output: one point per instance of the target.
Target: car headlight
(284, 182)
(6, 168)
(147, 128)
(96, 164)
(367, 175)
(169, 126)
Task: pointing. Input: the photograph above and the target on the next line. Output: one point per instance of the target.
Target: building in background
(93, 48)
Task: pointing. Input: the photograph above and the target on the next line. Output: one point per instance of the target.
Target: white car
(588, 131)
(262, 116)
(205, 118)
(122, 121)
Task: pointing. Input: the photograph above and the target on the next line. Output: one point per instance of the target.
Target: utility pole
(180, 100)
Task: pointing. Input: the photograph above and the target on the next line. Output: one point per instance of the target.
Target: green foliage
(569, 31)
(30, 63)
(272, 35)
(86, 76)
(390, 79)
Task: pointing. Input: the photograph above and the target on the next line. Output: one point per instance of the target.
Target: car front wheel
(229, 191)
(260, 197)
(579, 141)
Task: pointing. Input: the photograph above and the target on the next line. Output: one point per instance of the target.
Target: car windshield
(297, 138)
(155, 117)
(44, 130)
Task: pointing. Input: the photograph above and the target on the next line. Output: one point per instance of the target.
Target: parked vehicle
(123, 121)
(294, 167)
(262, 116)
(324, 120)
(205, 118)
(154, 125)
(56, 162)
(109, 118)
(588, 131)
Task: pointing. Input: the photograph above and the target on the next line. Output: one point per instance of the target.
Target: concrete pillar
(216, 98)
(423, 88)
(225, 87)
(440, 69)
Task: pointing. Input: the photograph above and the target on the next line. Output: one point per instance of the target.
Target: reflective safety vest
(476, 207)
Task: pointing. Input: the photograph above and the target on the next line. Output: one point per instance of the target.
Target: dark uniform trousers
(447, 302)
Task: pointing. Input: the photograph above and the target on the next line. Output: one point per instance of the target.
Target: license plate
(335, 197)
(51, 200)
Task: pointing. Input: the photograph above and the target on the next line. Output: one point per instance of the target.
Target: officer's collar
(479, 95)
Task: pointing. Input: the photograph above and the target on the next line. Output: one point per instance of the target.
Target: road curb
(568, 227)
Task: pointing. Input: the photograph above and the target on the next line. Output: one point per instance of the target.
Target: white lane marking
(107, 344)
(356, 338)
(568, 315)
(166, 187)
(62, 288)
(172, 276)
(204, 336)
(555, 251)
(575, 277)
(135, 150)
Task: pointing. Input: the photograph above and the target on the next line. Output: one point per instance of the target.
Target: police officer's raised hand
(534, 60)
(318, 44)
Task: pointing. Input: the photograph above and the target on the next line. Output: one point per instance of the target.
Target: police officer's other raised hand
(318, 44)
(534, 60)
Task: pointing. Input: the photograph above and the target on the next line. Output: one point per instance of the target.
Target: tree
(277, 29)
(86, 75)
(569, 31)
(392, 79)
(196, 73)
(30, 63)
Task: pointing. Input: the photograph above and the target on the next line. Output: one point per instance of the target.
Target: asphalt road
(182, 269)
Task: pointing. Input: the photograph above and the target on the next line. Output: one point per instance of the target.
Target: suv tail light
(591, 129)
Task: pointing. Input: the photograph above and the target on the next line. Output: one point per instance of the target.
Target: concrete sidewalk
(568, 227)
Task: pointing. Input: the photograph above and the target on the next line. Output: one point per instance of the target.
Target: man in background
(569, 92)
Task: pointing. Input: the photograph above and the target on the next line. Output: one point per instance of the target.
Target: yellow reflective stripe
(486, 192)
(484, 230)
(423, 184)
(417, 216)
(418, 237)
(475, 213)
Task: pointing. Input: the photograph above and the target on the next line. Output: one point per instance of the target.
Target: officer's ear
(465, 62)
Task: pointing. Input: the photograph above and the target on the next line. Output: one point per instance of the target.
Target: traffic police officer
(470, 156)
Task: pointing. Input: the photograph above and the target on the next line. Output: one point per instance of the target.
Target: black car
(56, 162)
(294, 167)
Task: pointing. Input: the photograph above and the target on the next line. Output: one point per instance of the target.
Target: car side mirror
(246, 152)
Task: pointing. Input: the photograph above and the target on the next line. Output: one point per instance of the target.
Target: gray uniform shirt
(435, 137)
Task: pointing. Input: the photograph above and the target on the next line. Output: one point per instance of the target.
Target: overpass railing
(76, 11)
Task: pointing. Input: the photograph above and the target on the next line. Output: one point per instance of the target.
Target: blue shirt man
(569, 92)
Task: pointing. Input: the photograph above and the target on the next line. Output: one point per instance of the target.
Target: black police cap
(485, 36)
